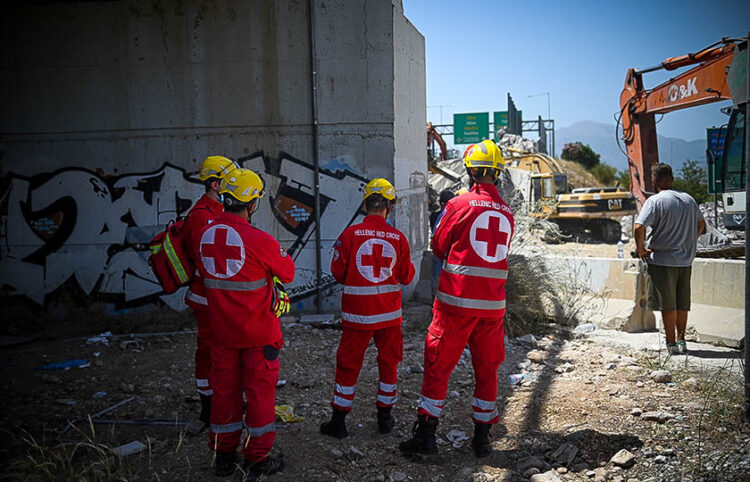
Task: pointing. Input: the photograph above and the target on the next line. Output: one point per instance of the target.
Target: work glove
(281, 303)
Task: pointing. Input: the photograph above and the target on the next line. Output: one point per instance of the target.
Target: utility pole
(549, 117)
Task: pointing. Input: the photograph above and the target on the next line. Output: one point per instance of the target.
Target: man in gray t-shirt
(675, 222)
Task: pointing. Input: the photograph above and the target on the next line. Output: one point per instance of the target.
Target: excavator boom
(703, 84)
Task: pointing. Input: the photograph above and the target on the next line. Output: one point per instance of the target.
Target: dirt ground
(580, 405)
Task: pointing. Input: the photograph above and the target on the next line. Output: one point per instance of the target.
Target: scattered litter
(129, 449)
(584, 328)
(280, 383)
(457, 437)
(65, 365)
(94, 416)
(65, 401)
(514, 380)
(102, 338)
(125, 344)
(530, 339)
(286, 414)
(99, 395)
(356, 452)
(97, 353)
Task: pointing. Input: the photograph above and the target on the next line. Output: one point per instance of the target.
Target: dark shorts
(669, 287)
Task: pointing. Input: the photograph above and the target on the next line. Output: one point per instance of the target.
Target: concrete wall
(109, 108)
(619, 299)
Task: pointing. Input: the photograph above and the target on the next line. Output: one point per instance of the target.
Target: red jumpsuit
(370, 259)
(202, 213)
(472, 239)
(238, 263)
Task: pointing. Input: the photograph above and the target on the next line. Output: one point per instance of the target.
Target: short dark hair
(446, 195)
(376, 202)
(231, 205)
(661, 172)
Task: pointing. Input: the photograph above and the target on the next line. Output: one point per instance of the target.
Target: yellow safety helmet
(486, 154)
(242, 185)
(380, 186)
(216, 166)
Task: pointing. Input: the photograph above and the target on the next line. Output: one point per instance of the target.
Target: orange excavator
(721, 74)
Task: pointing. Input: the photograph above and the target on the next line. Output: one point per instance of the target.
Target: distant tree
(580, 153)
(605, 173)
(623, 178)
(693, 179)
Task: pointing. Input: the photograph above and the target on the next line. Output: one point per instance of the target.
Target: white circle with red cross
(490, 235)
(375, 260)
(222, 251)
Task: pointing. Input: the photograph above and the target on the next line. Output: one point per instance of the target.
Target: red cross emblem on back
(490, 236)
(375, 259)
(221, 250)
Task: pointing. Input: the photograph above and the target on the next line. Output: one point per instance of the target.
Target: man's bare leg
(682, 317)
(670, 320)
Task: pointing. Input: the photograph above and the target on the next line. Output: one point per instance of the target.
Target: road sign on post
(471, 128)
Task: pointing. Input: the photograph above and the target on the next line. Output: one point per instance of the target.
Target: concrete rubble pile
(708, 213)
(515, 142)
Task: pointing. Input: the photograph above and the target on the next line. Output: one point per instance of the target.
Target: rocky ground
(584, 411)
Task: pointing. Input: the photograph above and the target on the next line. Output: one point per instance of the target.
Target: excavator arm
(703, 84)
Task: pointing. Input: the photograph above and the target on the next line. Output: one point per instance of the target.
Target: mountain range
(601, 138)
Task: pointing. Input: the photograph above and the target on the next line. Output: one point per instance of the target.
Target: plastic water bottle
(620, 249)
(516, 379)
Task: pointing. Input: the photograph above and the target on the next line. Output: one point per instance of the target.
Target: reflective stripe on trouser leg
(431, 407)
(260, 377)
(389, 343)
(484, 410)
(445, 341)
(226, 403)
(349, 357)
(487, 352)
(202, 352)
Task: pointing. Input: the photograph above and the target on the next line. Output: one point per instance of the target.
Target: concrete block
(714, 324)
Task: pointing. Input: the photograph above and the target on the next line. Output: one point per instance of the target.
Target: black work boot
(423, 437)
(385, 420)
(205, 415)
(336, 427)
(255, 470)
(225, 463)
(481, 440)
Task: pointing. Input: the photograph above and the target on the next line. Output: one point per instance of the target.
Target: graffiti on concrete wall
(77, 226)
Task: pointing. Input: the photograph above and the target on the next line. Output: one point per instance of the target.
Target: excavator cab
(733, 165)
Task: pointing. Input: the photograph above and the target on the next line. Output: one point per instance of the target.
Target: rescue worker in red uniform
(205, 210)
(370, 259)
(472, 238)
(243, 270)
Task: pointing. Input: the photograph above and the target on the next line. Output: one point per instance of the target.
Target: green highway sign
(500, 119)
(471, 128)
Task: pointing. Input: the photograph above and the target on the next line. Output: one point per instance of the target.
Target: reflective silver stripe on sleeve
(484, 404)
(485, 416)
(385, 399)
(470, 303)
(201, 300)
(205, 392)
(201, 382)
(342, 402)
(371, 290)
(370, 319)
(258, 431)
(227, 427)
(344, 390)
(222, 284)
(388, 387)
(476, 271)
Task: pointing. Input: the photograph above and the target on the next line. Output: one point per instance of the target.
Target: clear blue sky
(578, 51)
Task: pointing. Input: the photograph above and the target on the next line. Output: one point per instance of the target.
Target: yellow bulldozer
(593, 212)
